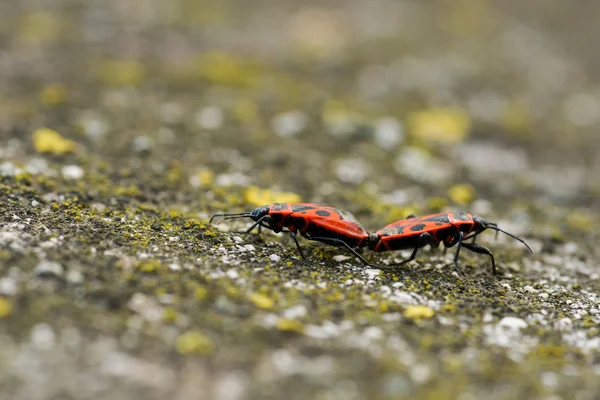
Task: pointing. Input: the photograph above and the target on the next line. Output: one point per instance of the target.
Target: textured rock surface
(125, 125)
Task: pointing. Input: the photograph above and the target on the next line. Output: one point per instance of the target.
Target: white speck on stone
(289, 123)
(250, 247)
(238, 239)
(210, 117)
(274, 258)
(372, 272)
(564, 324)
(340, 258)
(420, 166)
(146, 306)
(506, 286)
(42, 336)
(570, 248)
(388, 133)
(512, 323)
(549, 379)
(142, 144)
(9, 169)
(530, 289)
(544, 295)
(285, 363)
(295, 312)
(35, 203)
(403, 298)
(74, 277)
(233, 179)
(38, 166)
(487, 318)
(351, 170)
(232, 274)
(174, 267)
(325, 331)
(420, 373)
(8, 287)
(72, 172)
(48, 268)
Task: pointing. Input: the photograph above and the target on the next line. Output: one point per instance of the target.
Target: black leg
(410, 216)
(460, 244)
(293, 235)
(476, 248)
(341, 242)
(257, 223)
(423, 241)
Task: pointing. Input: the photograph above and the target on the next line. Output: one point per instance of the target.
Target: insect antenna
(495, 227)
(230, 216)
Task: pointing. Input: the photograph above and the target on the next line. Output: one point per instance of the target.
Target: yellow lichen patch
(120, 72)
(580, 221)
(201, 293)
(418, 312)
(169, 315)
(194, 342)
(289, 325)
(257, 196)
(42, 27)
(226, 69)
(516, 117)
(6, 307)
(246, 110)
(204, 177)
(52, 95)
(462, 194)
(445, 125)
(46, 140)
(261, 301)
(437, 203)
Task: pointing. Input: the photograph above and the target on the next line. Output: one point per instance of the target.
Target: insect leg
(460, 244)
(481, 250)
(341, 242)
(293, 235)
(257, 223)
(424, 239)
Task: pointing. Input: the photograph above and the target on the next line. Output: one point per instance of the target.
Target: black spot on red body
(323, 213)
(417, 227)
(299, 208)
(442, 218)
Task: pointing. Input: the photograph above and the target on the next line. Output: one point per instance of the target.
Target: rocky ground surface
(125, 125)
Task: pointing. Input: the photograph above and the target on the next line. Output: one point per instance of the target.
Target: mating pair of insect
(340, 228)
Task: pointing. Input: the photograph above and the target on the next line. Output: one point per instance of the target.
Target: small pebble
(210, 117)
(72, 172)
(289, 123)
(74, 276)
(340, 258)
(512, 323)
(388, 133)
(8, 287)
(142, 144)
(238, 239)
(48, 269)
(274, 257)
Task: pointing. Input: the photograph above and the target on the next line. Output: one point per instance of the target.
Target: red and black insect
(451, 228)
(315, 222)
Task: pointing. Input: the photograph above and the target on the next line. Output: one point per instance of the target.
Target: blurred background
(125, 124)
(320, 96)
